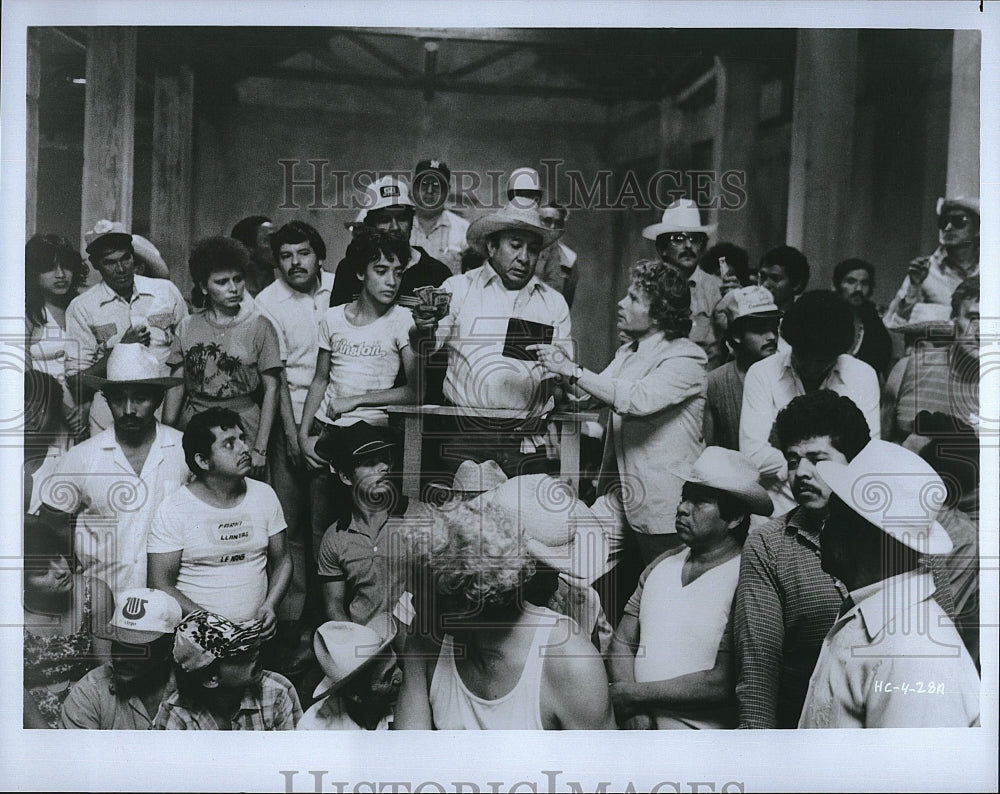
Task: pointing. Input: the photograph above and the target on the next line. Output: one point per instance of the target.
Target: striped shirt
(785, 605)
(938, 379)
(271, 706)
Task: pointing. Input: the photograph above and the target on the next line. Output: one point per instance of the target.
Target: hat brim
(584, 559)
(332, 453)
(105, 239)
(928, 540)
(773, 314)
(330, 686)
(654, 231)
(99, 383)
(753, 495)
(482, 228)
(128, 636)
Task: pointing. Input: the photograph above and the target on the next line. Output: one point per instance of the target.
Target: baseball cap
(140, 616)
(432, 165)
(108, 231)
(353, 442)
(389, 191)
(746, 301)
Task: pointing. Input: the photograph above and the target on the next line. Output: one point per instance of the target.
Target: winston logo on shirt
(345, 348)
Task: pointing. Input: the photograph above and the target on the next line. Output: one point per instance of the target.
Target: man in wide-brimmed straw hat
(893, 658)
(681, 238)
(115, 481)
(496, 310)
(678, 615)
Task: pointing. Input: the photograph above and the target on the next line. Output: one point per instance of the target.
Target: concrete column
(823, 121)
(170, 210)
(109, 126)
(963, 127)
(738, 98)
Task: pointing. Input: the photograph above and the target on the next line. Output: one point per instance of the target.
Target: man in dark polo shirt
(357, 562)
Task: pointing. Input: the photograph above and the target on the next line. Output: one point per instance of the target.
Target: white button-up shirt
(445, 241)
(296, 315)
(769, 386)
(114, 505)
(478, 375)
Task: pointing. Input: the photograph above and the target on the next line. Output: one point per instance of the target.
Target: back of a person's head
(792, 261)
(823, 413)
(298, 232)
(968, 290)
(246, 230)
(820, 323)
(737, 260)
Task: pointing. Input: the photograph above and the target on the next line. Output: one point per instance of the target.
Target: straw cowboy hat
(511, 218)
(106, 233)
(730, 471)
(559, 529)
(681, 216)
(474, 478)
(132, 364)
(149, 261)
(344, 649)
(896, 491)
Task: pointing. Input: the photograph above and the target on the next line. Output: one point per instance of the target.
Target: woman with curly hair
(227, 352)
(54, 274)
(480, 655)
(655, 386)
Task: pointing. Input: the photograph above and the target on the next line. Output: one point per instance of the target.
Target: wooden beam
(109, 126)
(380, 55)
(487, 60)
(31, 122)
(170, 208)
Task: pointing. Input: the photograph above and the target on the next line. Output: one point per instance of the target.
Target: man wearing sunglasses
(925, 294)
(680, 240)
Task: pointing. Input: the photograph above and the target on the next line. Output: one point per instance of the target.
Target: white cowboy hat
(344, 649)
(681, 216)
(559, 529)
(132, 364)
(472, 477)
(389, 191)
(896, 491)
(510, 218)
(730, 471)
(148, 259)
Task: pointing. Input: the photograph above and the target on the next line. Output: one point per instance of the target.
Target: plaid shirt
(785, 605)
(273, 706)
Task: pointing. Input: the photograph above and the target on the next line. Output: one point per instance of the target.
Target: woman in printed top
(54, 274)
(362, 346)
(227, 352)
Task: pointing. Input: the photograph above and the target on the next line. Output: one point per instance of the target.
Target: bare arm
(334, 600)
(162, 570)
(174, 398)
(413, 709)
(575, 687)
(314, 397)
(279, 577)
(267, 409)
(287, 416)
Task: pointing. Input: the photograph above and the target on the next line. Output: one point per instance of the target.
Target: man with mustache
(125, 693)
(114, 482)
(219, 543)
(752, 332)
(785, 602)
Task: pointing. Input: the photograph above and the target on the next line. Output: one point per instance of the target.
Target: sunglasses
(957, 221)
(679, 238)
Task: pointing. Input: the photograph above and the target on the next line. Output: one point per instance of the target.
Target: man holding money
(495, 312)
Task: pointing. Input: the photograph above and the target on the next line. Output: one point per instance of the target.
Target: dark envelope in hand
(521, 334)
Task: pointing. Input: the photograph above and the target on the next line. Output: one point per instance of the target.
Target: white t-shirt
(363, 359)
(223, 550)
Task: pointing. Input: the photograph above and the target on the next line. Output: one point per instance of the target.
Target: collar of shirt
(442, 221)
(162, 440)
(486, 275)
(804, 526)
(359, 526)
(420, 254)
(788, 372)
(288, 293)
(108, 295)
(880, 602)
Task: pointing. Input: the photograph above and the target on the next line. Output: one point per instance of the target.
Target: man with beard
(681, 239)
(389, 210)
(785, 602)
(114, 482)
(221, 685)
(361, 677)
(930, 280)
(219, 543)
(356, 562)
(854, 280)
(125, 693)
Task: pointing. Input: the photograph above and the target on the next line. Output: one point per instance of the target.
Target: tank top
(454, 707)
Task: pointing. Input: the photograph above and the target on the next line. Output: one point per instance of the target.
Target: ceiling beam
(487, 60)
(522, 36)
(380, 55)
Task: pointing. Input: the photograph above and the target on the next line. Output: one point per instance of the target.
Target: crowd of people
(782, 530)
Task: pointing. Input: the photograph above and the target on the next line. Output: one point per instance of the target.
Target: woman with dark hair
(59, 609)
(227, 352)
(54, 274)
(656, 388)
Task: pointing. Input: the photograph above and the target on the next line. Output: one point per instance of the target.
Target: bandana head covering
(202, 637)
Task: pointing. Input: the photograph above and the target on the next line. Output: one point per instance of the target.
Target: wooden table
(567, 423)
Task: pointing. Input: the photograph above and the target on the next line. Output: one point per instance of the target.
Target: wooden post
(170, 210)
(963, 128)
(823, 122)
(31, 122)
(109, 126)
